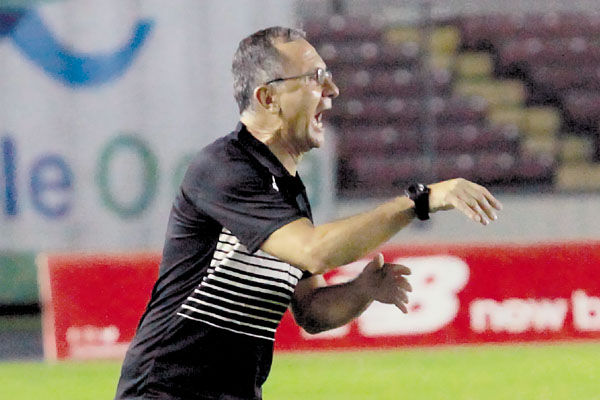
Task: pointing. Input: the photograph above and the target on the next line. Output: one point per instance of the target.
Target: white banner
(103, 102)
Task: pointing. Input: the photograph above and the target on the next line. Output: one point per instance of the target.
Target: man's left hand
(386, 282)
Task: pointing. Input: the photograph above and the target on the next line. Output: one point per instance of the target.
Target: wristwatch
(419, 193)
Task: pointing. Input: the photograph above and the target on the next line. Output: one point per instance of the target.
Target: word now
(521, 315)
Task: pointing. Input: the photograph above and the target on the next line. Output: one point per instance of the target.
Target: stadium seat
(379, 175)
(340, 56)
(442, 62)
(457, 110)
(542, 121)
(512, 116)
(574, 148)
(377, 140)
(485, 30)
(376, 111)
(541, 145)
(495, 92)
(401, 34)
(538, 168)
(342, 28)
(567, 78)
(399, 82)
(472, 138)
(496, 168)
(567, 25)
(442, 40)
(455, 166)
(584, 107)
(471, 65)
(536, 52)
(578, 176)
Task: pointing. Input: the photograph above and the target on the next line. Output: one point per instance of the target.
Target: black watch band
(419, 193)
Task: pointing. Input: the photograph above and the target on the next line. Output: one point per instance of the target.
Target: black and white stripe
(242, 292)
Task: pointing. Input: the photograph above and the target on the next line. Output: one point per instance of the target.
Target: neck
(270, 132)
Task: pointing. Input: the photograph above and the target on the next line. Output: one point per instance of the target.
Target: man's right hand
(473, 200)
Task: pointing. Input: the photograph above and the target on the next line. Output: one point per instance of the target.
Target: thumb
(376, 263)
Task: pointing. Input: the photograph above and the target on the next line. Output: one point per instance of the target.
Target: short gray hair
(257, 60)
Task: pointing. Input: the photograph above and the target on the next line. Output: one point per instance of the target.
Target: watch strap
(419, 194)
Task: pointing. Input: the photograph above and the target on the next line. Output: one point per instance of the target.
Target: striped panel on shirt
(242, 292)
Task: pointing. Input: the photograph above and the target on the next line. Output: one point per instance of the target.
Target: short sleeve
(239, 195)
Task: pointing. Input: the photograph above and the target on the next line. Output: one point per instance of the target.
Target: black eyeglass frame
(320, 75)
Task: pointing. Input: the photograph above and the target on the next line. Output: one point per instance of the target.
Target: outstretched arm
(318, 308)
(319, 249)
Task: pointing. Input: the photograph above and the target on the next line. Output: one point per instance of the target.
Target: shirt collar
(260, 152)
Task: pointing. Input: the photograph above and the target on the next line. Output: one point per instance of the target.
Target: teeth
(318, 121)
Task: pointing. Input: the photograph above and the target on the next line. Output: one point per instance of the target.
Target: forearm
(344, 241)
(330, 307)
(322, 248)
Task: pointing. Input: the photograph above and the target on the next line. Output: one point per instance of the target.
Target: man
(241, 247)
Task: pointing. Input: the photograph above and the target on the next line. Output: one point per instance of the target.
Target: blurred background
(102, 104)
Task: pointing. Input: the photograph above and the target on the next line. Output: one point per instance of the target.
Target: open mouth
(318, 120)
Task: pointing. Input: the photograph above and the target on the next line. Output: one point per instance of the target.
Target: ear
(266, 98)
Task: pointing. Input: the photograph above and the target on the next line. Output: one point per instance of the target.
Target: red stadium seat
(498, 28)
(493, 29)
(458, 110)
(536, 168)
(583, 106)
(497, 167)
(367, 54)
(399, 82)
(457, 166)
(375, 111)
(387, 174)
(341, 28)
(465, 138)
(536, 52)
(377, 140)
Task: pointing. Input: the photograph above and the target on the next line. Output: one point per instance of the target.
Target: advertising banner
(91, 303)
(475, 294)
(102, 105)
(461, 294)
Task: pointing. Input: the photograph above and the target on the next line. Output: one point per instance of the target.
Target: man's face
(303, 100)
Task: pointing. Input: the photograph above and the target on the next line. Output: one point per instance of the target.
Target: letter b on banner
(436, 281)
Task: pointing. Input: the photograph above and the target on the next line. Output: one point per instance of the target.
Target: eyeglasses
(320, 75)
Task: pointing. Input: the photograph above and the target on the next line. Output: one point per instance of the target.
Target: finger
(401, 306)
(379, 260)
(403, 283)
(462, 206)
(491, 199)
(402, 296)
(376, 263)
(472, 202)
(482, 204)
(398, 269)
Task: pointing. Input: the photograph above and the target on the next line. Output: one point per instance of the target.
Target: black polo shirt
(209, 327)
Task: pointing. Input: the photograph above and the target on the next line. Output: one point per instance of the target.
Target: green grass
(549, 372)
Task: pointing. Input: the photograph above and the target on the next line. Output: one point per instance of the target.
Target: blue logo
(33, 38)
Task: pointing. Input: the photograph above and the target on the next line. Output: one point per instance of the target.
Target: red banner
(461, 294)
(475, 294)
(91, 303)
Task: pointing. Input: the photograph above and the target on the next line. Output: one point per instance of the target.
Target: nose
(330, 89)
